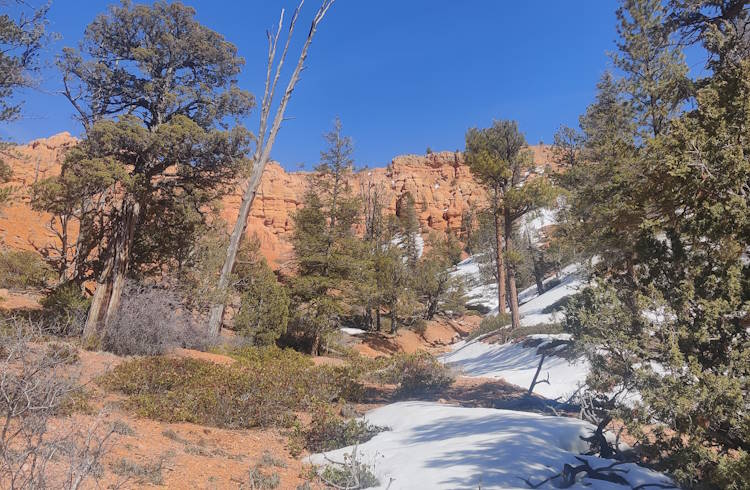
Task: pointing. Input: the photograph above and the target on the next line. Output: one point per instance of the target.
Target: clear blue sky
(402, 74)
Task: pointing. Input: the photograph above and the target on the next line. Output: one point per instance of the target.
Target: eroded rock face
(440, 183)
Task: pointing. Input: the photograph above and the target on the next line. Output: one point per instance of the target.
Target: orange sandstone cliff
(442, 187)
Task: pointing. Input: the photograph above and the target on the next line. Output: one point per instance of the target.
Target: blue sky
(402, 75)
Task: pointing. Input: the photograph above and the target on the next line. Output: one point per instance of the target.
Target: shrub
(417, 373)
(62, 353)
(22, 269)
(351, 474)
(264, 311)
(35, 388)
(258, 479)
(150, 321)
(421, 373)
(490, 324)
(263, 388)
(139, 472)
(328, 431)
(65, 309)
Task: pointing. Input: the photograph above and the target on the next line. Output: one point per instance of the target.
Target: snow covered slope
(434, 446)
(516, 363)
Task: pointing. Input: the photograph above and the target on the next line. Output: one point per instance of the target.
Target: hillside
(441, 184)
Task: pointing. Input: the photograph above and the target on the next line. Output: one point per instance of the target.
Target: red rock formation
(442, 187)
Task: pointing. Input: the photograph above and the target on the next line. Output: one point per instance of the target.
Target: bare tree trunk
(377, 318)
(106, 299)
(394, 320)
(534, 381)
(501, 296)
(511, 268)
(263, 149)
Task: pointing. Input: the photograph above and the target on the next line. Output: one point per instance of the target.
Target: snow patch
(437, 446)
(516, 363)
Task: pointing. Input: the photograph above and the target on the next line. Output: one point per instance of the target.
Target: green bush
(65, 309)
(22, 269)
(263, 388)
(264, 311)
(417, 373)
(328, 431)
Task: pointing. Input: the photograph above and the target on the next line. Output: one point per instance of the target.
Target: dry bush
(150, 321)
(35, 386)
(351, 474)
(139, 473)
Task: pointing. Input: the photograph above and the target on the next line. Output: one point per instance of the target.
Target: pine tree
(264, 304)
(655, 72)
(497, 158)
(326, 248)
(409, 235)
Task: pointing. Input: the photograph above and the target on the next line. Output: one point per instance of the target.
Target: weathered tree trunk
(263, 150)
(511, 268)
(394, 320)
(501, 295)
(534, 381)
(106, 299)
(377, 318)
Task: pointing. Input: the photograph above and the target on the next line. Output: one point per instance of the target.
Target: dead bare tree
(265, 141)
(537, 381)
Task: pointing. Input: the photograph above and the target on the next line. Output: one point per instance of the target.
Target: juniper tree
(23, 33)
(153, 89)
(497, 157)
(667, 315)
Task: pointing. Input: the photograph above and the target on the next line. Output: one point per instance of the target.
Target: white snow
(435, 446)
(513, 361)
(352, 331)
(517, 364)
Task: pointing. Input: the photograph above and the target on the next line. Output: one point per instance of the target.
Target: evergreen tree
(154, 90)
(655, 72)
(667, 313)
(23, 33)
(497, 158)
(326, 248)
(432, 280)
(264, 304)
(409, 236)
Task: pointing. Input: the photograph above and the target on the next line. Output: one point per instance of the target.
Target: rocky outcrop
(440, 183)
